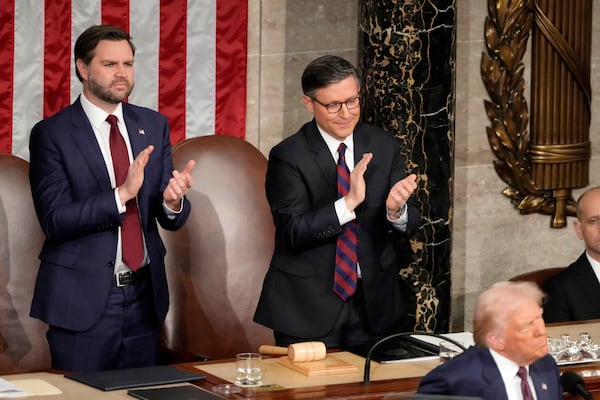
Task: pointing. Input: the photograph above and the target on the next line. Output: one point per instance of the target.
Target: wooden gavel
(297, 352)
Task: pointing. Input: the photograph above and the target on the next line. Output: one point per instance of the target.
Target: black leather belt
(131, 278)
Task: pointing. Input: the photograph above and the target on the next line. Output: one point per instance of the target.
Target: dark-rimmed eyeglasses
(334, 108)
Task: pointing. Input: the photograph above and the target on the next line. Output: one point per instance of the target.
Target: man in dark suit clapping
(339, 191)
(101, 178)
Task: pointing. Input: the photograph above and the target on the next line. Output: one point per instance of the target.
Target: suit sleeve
(65, 212)
(399, 173)
(291, 194)
(434, 383)
(556, 306)
(177, 220)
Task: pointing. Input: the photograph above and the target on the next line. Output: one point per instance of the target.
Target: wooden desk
(386, 379)
(402, 378)
(70, 389)
(281, 382)
(376, 390)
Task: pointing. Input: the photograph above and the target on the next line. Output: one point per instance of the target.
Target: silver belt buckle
(118, 278)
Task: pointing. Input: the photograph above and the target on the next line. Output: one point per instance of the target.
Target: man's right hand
(135, 176)
(356, 194)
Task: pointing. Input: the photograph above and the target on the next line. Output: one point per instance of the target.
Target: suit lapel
(362, 145)
(84, 138)
(136, 130)
(588, 281)
(494, 385)
(139, 134)
(540, 383)
(323, 158)
(362, 142)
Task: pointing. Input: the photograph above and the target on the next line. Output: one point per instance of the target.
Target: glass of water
(249, 371)
(448, 351)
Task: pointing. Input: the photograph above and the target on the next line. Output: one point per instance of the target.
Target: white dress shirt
(343, 213)
(512, 383)
(101, 128)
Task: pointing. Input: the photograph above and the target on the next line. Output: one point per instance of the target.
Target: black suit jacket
(297, 296)
(75, 204)
(573, 294)
(475, 373)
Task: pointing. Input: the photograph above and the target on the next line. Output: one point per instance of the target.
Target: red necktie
(131, 232)
(345, 277)
(525, 389)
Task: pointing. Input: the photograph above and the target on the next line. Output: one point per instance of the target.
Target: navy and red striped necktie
(346, 258)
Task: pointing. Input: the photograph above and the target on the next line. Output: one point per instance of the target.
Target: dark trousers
(350, 328)
(126, 336)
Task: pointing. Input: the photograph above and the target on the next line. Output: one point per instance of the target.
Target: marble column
(407, 53)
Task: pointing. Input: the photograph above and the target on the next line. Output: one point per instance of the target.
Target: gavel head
(307, 351)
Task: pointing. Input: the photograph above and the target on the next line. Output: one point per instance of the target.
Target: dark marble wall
(407, 54)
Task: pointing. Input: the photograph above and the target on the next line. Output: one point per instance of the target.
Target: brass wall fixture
(540, 169)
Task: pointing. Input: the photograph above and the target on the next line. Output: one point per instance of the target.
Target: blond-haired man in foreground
(510, 340)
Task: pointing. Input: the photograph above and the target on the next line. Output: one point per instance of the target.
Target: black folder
(397, 349)
(174, 393)
(424, 396)
(134, 377)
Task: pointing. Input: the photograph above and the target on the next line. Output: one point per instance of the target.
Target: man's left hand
(400, 192)
(178, 186)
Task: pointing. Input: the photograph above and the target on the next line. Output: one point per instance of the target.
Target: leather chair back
(538, 276)
(23, 345)
(216, 263)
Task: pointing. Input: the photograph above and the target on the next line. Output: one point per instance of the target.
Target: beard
(104, 93)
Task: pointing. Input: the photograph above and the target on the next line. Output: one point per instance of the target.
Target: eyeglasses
(334, 108)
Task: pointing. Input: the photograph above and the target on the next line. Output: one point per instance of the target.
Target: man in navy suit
(298, 300)
(102, 312)
(510, 335)
(574, 293)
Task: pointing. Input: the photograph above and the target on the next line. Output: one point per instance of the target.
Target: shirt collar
(508, 368)
(96, 115)
(595, 265)
(333, 144)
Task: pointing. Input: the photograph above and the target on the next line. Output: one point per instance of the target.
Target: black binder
(174, 393)
(397, 349)
(134, 377)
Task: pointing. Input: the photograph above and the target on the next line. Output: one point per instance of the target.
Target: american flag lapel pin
(141, 131)
(544, 386)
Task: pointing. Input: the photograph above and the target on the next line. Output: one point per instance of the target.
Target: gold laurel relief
(507, 30)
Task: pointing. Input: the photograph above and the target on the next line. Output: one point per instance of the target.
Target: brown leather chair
(216, 263)
(538, 276)
(23, 345)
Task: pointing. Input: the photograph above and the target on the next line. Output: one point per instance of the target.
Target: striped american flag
(190, 62)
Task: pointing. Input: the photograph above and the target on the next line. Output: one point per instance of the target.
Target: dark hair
(325, 71)
(86, 43)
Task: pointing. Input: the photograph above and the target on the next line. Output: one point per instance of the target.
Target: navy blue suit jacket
(573, 294)
(474, 373)
(297, 296)
(75, 204)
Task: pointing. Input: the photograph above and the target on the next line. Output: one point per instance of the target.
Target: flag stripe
(144, 28)
(7, 38)
(84, 13)
(28, 92)
(57, 45)
(116, 13)
(201, 70)
(172, 62)
(231, 68)
(177, 64)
